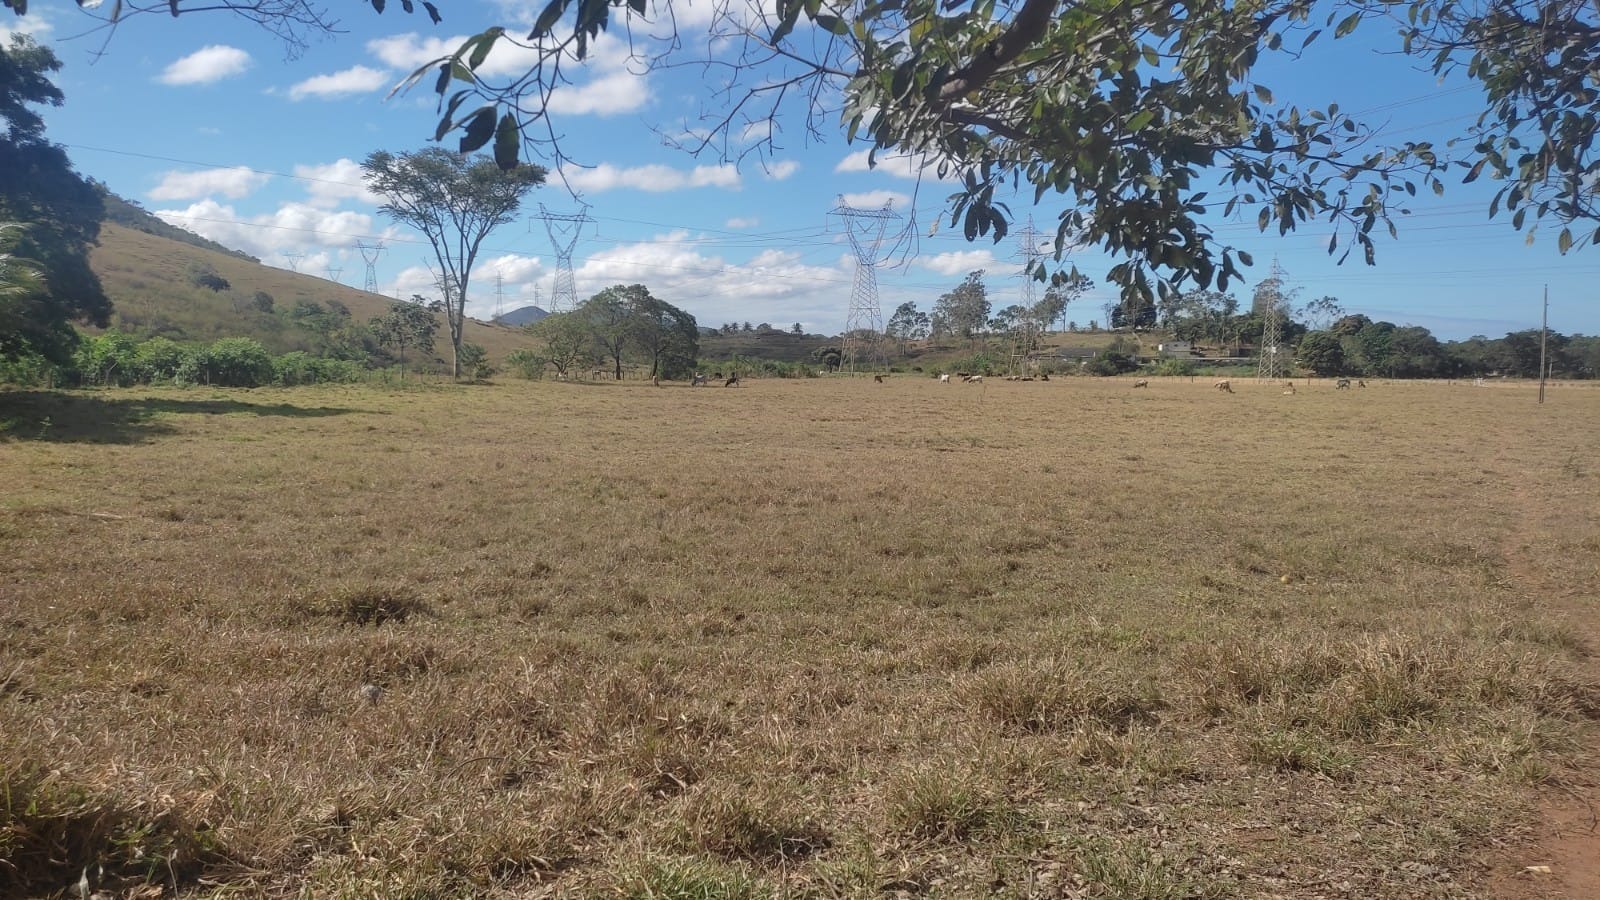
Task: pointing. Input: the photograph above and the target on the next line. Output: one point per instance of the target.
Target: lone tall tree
(456, 201)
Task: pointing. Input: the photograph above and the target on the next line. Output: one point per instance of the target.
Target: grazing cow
(1044, 376)
(655, 380)
(878, 379)
(1224, 385)
(1142, 383)
(700, 379)
(1289, 391)
(973, 379)
(944, 379)
(733, 380)
(1342, 384)
(1360, 383)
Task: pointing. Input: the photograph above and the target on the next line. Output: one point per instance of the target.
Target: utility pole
(1544, 332)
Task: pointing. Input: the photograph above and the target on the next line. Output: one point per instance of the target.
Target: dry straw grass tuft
(812, 638)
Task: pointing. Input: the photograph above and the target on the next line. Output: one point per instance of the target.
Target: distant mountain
(129, 214)
(517, 318)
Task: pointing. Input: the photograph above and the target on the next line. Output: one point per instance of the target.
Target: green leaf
(478, 130)
(1246, 258)
(836, 25)
(442, 82)
(548, 19)
(1263, 94)
(507, 140)
(1473, 175)
(485, 44)
(1564, 242)
(377, 6)
(1348, 25)
(1141, 119)
(433, 12)
(1263, 219)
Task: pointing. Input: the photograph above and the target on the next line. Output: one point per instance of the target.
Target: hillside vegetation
(148, 278)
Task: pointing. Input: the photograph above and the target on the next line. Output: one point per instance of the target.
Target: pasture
(822, 638)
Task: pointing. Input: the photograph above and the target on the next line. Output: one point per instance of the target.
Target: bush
(475, 362)
(230, 362)
(1110, 362)
(525, 364)
(29, 370)
(298, 368)
(108, 359)
(158, 359)
(203, 275)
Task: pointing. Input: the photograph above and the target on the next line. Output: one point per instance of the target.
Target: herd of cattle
(1225, 385)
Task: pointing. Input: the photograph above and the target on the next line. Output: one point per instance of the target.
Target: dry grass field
(821, 638)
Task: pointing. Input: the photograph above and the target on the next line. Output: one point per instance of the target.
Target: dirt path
(1564, 859)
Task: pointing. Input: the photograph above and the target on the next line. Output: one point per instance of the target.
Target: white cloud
(231, 183)
(607, 95)
(512, 268)
(780, 171)
(898, 165)
(776, 286)
(37, 24)
(653, 178)
(741, 222)
(334, 182)
(958, 262)
(298, 227)
(354, 80)
(207, 65)
(877, 199)
(613, 87)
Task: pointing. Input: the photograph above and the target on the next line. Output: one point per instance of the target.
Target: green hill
(150, 280)
(130, 214)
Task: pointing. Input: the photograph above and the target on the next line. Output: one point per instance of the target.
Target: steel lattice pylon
(370, 253)
(1027, 330)
(564, 230)
(1274, 362)
(863, 324)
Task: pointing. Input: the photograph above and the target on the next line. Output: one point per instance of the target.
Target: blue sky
(204, 120)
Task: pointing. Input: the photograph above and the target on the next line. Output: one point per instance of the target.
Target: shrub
(158, 359)
(107, 359)
(204, 275)
(1173, 367)
(525, 364)
(475, 362)
(230, 362)
(1109, 362)
(299, 368)
(29, 370)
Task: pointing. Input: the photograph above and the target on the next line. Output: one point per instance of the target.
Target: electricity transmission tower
(499, 297)
(1274, 362)
(1026, 337)
(334, 273)
(563, 230)
(294, 260)
(370, 253)
(863, 324)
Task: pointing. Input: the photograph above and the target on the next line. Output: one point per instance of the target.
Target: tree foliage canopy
(56, 215)
(1126, 112)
